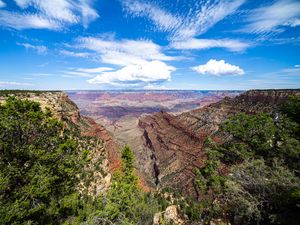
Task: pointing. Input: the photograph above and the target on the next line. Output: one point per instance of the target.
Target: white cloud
(297, 66)
(26, 21)
(124, 52)
(205, 16)
(2, 4)
(274, 17)
(163, 20)
(12, 83)
(142, 61)
(291, 71)
(40, 49)
(218, 68)
(189, 21)
(193, 43)
(84, 72)
(74, 54)
(48, 14)
(75, 74)
(94, 70)
(152, 72)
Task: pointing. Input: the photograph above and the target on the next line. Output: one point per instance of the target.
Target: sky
(149, 44)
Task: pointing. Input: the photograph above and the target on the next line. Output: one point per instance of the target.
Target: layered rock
(175, 143)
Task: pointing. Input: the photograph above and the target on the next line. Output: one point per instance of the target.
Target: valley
(186, 163)
(167, 129)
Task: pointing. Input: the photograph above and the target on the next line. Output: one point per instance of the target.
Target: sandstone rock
(157, 217)
(171, 216)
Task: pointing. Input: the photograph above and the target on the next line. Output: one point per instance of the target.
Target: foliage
(253, 177)
(38, 166)
(291, 108)
(258, 192)
(22, 92)
(125, 203)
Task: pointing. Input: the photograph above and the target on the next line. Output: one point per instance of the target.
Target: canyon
(167, 129)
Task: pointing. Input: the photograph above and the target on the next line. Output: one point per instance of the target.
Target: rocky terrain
(174, 143)
(91, 136)
(168, 145)
(108, 107)
(119, 112)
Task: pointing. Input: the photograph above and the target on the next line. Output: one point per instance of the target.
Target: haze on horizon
(149, 44)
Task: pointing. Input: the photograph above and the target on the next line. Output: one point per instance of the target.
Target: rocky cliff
(91, 136)
(175, 143)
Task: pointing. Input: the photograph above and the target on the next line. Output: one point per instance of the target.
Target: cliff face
(176, 143)
(91, 136)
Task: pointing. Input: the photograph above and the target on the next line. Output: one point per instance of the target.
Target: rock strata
(176, 142)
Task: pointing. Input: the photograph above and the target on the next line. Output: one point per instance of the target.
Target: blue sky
(149, 44)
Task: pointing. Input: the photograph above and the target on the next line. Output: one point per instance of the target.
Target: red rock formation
(113, 153)
(176, 142)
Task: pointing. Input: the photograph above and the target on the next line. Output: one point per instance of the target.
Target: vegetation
(254, 177)
(22, 92)
(40, 167)
(125, 203)
(251, 179)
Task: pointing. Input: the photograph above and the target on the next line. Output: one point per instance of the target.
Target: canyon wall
(175, 143)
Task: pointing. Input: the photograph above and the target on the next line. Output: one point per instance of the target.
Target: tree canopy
(38, 165)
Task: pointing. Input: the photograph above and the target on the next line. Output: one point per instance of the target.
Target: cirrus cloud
(123, 52)
(218, 68)
(13, 83)
(193, 43)
(2, 4)
(48, 14)
(190, 20)
(40, 49)
(274, 17)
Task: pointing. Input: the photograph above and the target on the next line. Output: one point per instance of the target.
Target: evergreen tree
(38, 165)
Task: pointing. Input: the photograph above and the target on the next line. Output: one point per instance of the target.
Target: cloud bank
(142, 62)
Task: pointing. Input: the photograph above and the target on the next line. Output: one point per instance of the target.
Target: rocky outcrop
(169, 216)
(103, 151)
(176, 142)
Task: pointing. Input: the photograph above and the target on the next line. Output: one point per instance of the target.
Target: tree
(292, 108)
(258, 193)
(38, 165)
(254, 175)
(125, 203)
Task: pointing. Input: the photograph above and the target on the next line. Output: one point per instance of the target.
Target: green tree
(258, 193)
(125, 203)
(254, 174)
(38, 166)
(292, 108)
